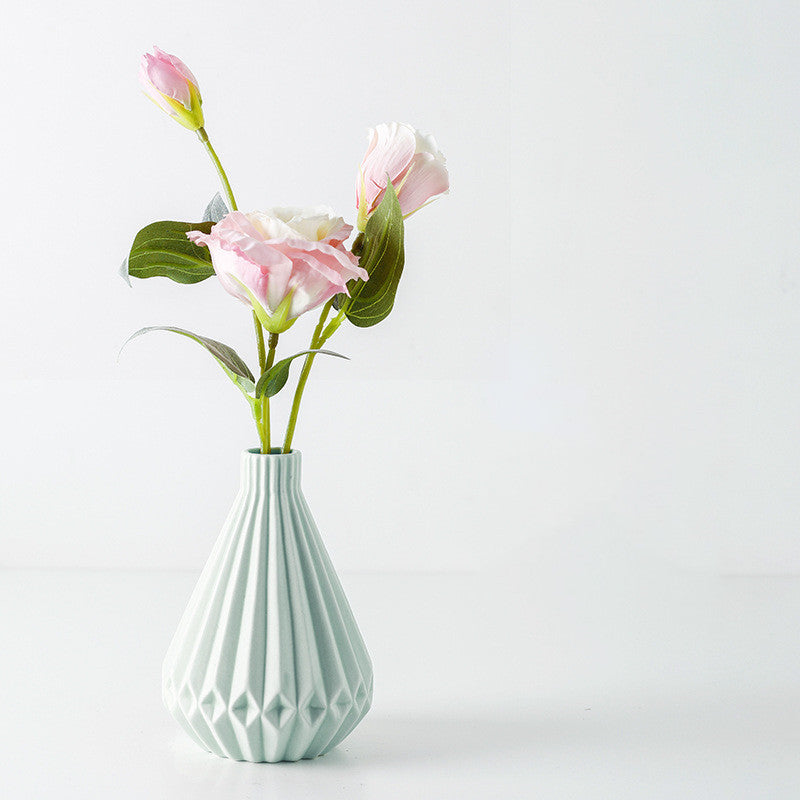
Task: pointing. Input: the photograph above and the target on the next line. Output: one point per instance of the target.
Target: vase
(267, 663)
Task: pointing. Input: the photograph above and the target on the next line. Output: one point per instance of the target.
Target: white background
(591, 373)
(596, 333)
(597, 330)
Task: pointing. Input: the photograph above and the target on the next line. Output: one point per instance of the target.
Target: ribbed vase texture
(268, 663)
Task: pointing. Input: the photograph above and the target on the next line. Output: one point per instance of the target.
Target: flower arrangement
(284, 262)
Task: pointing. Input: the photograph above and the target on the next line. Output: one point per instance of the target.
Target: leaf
(272, 381)
(162, 249)
(225, 356)
(357, 248)
(123, 271)
(382, 257)
(216, 209)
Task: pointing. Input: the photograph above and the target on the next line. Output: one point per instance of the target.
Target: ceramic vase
(267, 663)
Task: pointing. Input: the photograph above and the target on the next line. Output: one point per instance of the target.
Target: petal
(268, 279)
(238, 250)
(265, 225)
(310, 287)
(338, 232)
(315, 224)
(268, 283)
(177, 63)
(427, 144)
(427, 178)
(314, 280)
(151, 91)
(341, 263)
(199, 238)
(167, 80)
(226, 264)
(242, 231)
(388, 156)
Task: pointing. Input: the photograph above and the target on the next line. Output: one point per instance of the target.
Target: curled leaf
(272, 381)
(230, 361)
(382, 256)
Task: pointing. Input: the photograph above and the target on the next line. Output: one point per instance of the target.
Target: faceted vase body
(268, 663)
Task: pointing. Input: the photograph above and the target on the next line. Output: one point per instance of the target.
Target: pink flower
(282, 262)
(169, 83)
(411, 161)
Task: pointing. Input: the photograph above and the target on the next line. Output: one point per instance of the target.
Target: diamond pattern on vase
(361, 695)
(245, 709)
(313, 710)
(279, 712)
(268, 663)
(343, 702)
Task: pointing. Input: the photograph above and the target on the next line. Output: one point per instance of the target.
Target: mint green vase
(268, 663)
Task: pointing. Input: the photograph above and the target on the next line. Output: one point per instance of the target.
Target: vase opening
(275, 451)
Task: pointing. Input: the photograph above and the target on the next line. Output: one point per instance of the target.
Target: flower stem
(332, 327)
(266, 445)
(317, 340)
(262, 365)
(226, 186)
(262, 355)
(258, 410)
(203, 137)
(257, 414)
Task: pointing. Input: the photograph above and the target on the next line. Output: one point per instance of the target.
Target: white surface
(619, 678)
(617, 267)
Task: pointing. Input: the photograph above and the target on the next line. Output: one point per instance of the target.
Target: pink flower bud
(411, 161)
(282, 262)
(169, 83)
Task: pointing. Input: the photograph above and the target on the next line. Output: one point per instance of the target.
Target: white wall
(596, 341)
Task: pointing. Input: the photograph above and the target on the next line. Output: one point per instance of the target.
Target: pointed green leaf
(382, 257)
(272, 381)
(225, 356)
(161, 249)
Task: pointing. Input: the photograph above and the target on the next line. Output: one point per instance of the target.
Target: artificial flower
(281, 262)
(169, 83)
(410, 160)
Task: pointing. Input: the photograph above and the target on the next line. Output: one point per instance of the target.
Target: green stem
(262, 355)
(322, 317)
(317, 340)
(333, 326)
(261, 413)
(265, 421)
(203, 137)
(258, 411)
(257, 414)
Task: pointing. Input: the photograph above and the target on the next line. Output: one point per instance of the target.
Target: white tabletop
(618, 680)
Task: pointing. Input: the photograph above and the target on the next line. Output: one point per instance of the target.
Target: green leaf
(162, 249)
(382, 257)
(272, 381)
(225, 356)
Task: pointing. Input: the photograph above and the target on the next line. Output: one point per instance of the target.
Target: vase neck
(274, 471)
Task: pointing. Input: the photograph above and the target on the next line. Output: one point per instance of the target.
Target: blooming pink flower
(411, 161)
(282, 262)
(169, 83)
